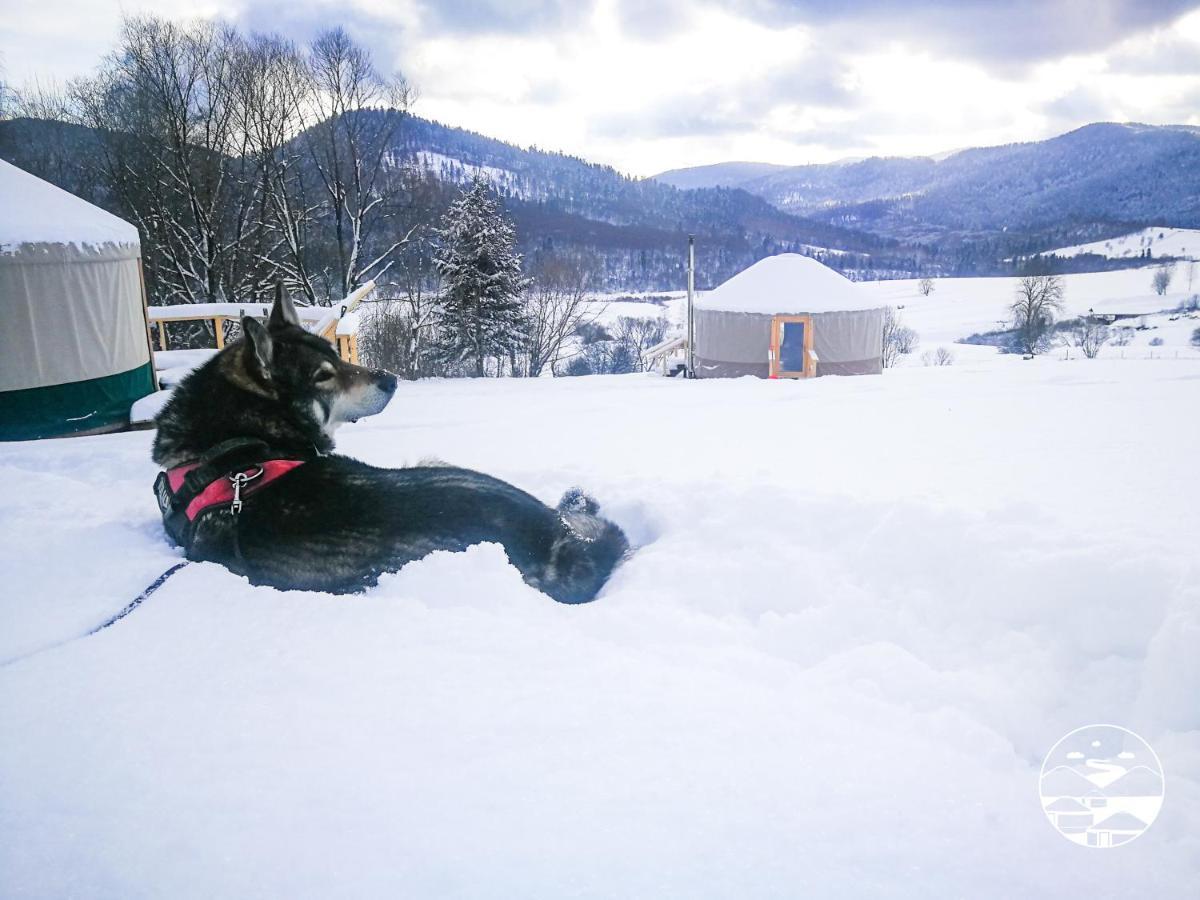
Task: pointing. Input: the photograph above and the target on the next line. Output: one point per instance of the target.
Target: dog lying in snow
(250, 480)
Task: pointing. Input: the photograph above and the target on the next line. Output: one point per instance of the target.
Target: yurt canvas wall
(74, 350)
(787, 315)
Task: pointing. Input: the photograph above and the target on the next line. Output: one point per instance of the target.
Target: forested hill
(638, 226)
(635, 229)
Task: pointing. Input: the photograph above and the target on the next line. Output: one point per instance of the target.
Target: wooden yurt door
(792, 347)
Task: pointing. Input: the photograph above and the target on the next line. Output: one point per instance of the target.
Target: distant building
(787, 316)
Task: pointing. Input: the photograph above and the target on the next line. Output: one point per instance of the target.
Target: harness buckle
(240, 479)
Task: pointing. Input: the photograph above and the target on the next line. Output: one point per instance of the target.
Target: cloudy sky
(647, 86)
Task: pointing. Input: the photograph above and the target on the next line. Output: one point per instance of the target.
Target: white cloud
(698, 83)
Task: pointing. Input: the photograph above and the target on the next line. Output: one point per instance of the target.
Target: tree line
(243, 160)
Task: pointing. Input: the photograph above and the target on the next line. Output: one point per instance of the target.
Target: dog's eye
(323, 375)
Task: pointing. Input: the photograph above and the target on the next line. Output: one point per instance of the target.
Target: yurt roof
(787, 283)
(33, 211)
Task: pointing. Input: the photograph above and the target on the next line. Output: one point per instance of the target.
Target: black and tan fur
(336, 524)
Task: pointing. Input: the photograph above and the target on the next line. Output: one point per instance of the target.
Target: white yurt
(74, 345)
(787, 316)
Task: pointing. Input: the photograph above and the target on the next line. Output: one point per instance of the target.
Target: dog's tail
(586, 552)
(576, 500)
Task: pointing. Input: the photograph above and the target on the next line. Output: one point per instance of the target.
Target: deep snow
(862, 611)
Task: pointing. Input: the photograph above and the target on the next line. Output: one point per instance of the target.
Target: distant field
(1181, 242)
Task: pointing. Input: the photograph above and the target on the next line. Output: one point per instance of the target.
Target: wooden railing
(338, 324)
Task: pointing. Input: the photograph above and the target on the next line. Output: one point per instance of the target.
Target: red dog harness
(230, 488)
(208, 494)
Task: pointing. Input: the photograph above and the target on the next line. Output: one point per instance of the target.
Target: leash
(138, 600)
(112, 620)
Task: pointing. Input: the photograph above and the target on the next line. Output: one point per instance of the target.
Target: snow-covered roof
(33, 211)
(787, 283)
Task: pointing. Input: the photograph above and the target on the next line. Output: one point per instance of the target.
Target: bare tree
(403, 328)
(1162, 279)
(1039, 300)
(1089, 334)
(171, 151)
(898, 338)
(1191, 274)
(556, 306)
(639, 334)
(271, 91)
(245, 160)
(925, 286)
(356, 113)
(943, 356)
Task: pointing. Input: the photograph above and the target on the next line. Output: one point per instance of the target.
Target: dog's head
(280, 384)
(283, 361)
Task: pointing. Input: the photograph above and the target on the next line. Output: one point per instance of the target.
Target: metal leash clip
(239, 480)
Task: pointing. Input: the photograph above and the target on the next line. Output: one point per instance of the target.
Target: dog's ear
(283, 313)
(262, 347)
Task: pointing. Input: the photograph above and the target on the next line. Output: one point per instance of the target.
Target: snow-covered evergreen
(482, 315)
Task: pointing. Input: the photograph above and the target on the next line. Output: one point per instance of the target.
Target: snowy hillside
(959, 307)
(862, 611)
(1180, 242)
(455, 171)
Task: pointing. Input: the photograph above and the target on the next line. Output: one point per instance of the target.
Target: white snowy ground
(862, 611)
(1160, 241)
(959, 307)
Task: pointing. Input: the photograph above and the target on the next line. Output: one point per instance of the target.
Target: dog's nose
(386, 381)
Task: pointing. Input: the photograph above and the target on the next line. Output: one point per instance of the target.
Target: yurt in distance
(787, 316)
(74, 345)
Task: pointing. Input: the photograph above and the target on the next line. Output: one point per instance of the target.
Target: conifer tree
(481, 281)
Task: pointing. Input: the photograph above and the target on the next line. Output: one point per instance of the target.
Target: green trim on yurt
(62, 409)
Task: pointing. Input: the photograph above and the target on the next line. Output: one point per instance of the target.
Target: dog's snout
(386, 381)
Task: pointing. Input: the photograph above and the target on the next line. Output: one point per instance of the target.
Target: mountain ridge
(1097, 175)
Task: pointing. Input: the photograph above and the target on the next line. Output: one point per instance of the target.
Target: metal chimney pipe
(691, 289)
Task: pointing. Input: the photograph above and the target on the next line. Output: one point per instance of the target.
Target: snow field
(1161, 241)
(861, 612)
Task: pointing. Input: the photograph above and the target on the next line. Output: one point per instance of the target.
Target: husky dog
(331, 523)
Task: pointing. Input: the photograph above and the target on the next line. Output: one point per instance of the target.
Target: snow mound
(787, 283)
(34, 211)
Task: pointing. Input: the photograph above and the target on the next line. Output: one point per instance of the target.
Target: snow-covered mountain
(1079, 184)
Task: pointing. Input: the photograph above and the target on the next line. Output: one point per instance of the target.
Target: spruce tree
(481, 280)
